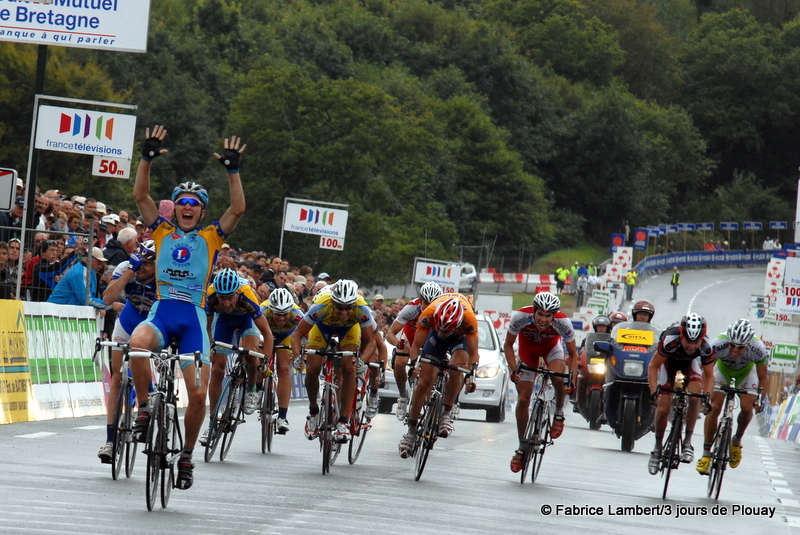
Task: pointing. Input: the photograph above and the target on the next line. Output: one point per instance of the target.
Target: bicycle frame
(269, 400)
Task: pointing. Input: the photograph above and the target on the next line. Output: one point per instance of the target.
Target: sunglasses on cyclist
(735, 346)
(188, 201)
(280, 314)
(343, 308)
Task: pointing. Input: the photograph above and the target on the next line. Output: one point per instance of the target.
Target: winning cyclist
(406, 325)
(687, 349)
(136, 278)
(448, 324)
(540, 328)
(185, 255)
(741, 356)
(339, 312)
(283, 316)
(231, 306)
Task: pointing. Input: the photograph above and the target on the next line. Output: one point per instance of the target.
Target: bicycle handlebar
(195, 357)
(444, 365)
(681, 392)
(728, 388)
(545, 371)
(329, 353)
(111, 343)
(239, 349)
(281, 348)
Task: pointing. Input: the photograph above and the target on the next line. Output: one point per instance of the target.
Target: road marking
(789, 503)
(90, 427)
(41, 434)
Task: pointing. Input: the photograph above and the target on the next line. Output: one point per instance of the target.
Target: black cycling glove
(230, 159)
(151, 148)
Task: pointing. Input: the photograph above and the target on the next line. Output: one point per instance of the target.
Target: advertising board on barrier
(16, 396)
(312, 219)
(85, 132)
(498, 308)
(445, 274)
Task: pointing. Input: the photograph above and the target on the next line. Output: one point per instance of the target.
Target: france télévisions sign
(85, 132)
(320, 220)
(119, 25)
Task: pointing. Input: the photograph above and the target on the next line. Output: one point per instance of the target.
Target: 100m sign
(336, 244)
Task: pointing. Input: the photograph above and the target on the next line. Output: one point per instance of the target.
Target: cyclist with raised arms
(136, 278)
(231, 306)
(687, 349)
(406, 326)
(447, 325)
(283, 316)
(185, 256)
(339, 312)
(741, 356)
(540, 329)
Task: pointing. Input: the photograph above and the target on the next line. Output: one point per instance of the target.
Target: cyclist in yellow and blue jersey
(342, 313)
(231, 306)
(283, 316)
(185, 255)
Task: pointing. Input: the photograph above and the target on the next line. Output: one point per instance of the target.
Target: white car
(492, 377)
(467, 278)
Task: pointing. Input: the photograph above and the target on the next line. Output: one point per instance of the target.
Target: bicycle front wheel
(130, 444)
(671, 453)
(326, 426)
(217, 421)
(173, 444)
(427, 432)
(234, 415)
(119, 430)
(541, 440)
(719, 459)
(531, 434)
(359, 425)
(269, 403)
(154, 451)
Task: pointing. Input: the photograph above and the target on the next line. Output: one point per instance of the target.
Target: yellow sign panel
(15, 375)
(635, 336)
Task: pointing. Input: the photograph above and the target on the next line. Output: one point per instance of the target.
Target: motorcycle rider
(617, 318)
(687, 349)
(742, 356)
(540, 328)
(601, 324)
(643, 310)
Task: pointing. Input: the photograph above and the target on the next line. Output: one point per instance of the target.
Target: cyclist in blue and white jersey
(135, 278)
(185, 255)
(741, 356)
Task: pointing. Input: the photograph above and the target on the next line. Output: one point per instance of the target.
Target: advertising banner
(77, 131)
(319, 220)
(445, 274)
(119, 25)
(497, 307)
(640, 236)
(16, 396)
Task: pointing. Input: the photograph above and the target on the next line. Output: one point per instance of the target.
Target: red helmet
(643, 305)
(449, 315)
(617, 317)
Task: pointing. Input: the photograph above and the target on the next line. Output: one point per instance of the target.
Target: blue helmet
(191, 187)
(227, 282)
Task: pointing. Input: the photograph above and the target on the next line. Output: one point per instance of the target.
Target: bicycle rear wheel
(130, 444)
(268, 410)
(427, 432)
(359, 425)
(173, 444)
(119, 430)
(719, 460)
(326, 427)
(234, 415)
(671, 453)
(530, 437)
(217, 421)
(154, 451)
(542, 439)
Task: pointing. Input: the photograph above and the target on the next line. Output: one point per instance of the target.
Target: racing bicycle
(359, 423)
(269, 400)
(537, 434)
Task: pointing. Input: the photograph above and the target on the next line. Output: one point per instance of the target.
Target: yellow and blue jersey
(322, 313)
(246, 302)
(279, 332)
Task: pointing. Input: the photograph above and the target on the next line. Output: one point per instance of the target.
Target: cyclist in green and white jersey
(739, 355)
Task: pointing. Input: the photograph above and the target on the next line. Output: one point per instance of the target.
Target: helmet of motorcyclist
(191, 187)
(281, 301)
(546, 302)
(344, 292)
(148, 250)
(693, 327)
(617, 317)
(740, 332)
(227, 282)
(430, 291)
(449, 315)
(602, 320)
(643, 305)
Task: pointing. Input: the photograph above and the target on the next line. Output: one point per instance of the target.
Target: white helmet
(430, 291)
(344, 292)
(546, 301)
(281, 301)
(740, 333)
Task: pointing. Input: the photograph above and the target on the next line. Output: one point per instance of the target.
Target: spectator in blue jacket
(71, 289)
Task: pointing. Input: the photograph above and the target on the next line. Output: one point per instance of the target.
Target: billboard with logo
(319, 220)
(119, 25)
(445, 274)
(85, 132)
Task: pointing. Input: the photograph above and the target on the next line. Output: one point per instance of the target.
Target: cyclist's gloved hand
(151, 148)
(298, 363)
(571, 389)
(654, 398)
(706, 406)
(135, 261)
(401, 345)
(230, 160)
(516, 375)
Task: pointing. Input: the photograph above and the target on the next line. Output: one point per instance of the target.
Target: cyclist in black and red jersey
(406, 326)
(687, 349)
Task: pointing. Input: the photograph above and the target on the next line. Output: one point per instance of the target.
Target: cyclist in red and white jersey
(401, 335)
(540, 329)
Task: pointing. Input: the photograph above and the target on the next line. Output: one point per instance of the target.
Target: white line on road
(41, 434)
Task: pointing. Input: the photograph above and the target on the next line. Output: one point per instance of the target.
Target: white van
(468, 278)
